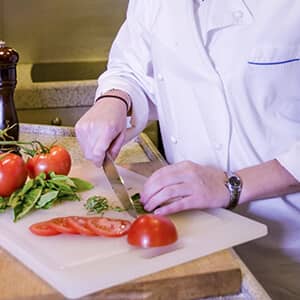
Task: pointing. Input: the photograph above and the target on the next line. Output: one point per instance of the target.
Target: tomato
(57, 160)
(13, 173)
(108, 227)
(62, 225)
(43, 228)
(80, 225)
(151, 231)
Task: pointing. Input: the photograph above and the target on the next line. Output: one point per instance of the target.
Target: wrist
(118, 95)
(234, 184)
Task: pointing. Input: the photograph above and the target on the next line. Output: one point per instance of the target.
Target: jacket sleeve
(130, 66)
(290, 160)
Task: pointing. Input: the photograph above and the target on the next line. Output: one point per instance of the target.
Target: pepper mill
(9, 124)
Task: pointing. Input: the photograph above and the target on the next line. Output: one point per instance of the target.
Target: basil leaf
(28, 185)
(68, 197)
(27, 204)
(15, 198)
(46, 198)
(3, 204)
(96, 204)
(65, 179)
(61, 186)
(82, 185)
(139, 207)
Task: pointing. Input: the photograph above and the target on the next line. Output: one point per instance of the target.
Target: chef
(223, 79)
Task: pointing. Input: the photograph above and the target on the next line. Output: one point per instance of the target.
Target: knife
(117, 184)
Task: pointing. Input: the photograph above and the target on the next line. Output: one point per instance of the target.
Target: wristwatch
(234, 184)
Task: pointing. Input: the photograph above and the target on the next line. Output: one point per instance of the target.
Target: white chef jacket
(224, 83)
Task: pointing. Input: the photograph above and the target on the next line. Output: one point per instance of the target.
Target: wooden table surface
(213, 275)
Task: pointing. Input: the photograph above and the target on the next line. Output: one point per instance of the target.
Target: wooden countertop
(218, 274)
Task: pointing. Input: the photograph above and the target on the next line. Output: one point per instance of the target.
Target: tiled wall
(60, 30)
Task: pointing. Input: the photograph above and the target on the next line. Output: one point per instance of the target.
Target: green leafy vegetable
(139, 207)
(3, 204)
(96, 204)
(99, 204)
(43, 193)
(29, 200)
(82, 185)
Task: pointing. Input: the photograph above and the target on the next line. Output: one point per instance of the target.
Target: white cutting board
(78, 265)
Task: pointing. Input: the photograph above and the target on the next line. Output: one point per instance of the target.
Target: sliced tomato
(62, 225)
(152, 231)
(108, 227)
(80, 224)
(43, 228)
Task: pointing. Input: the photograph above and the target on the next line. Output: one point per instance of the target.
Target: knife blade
(117, 184)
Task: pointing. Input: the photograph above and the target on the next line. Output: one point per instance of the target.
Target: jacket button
(160, 77)
(218, 146)
(173, 140)
(238, 16)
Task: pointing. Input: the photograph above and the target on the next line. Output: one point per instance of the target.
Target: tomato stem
(36, 146)
(4, 132)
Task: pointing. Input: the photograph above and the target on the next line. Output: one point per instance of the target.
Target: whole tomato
(13, 173)
(57, 159)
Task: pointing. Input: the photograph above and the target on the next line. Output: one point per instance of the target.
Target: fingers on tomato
(152, 231)
(43, 229)
(108, 227)
(80, 224)
(62, 225)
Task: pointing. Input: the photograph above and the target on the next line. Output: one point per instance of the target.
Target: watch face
(234, 181)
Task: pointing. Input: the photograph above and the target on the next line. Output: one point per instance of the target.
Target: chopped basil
(99, 205)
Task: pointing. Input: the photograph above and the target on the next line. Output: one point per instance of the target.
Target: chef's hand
(182, 186)
(101, 129)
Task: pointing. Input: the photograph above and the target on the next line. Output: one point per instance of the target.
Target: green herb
(44, 193)
(139, 207)
(3, 204)
(96, 204)
(99, 205)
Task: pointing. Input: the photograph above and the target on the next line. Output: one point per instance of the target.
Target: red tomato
(108, 227)
(151, 231)
(58, 160)
(43, 228)
(13, 173)
(80, 225)
(62, 225)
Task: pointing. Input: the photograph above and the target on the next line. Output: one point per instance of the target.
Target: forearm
(266, 180)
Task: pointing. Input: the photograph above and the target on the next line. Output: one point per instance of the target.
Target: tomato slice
(152, 231)
(62, 225)
(108, 227)
(80, 225)
(43, 229)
